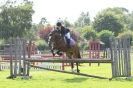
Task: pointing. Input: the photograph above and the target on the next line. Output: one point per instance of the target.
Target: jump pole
(62, 71)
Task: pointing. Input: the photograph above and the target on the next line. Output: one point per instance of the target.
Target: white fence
(4, 65)
(58, 66)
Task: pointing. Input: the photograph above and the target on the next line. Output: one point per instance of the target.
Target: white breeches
(68, 35)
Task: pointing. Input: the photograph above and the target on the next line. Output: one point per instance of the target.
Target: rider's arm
(68, 34)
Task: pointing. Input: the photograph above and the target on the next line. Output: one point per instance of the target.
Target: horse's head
(55, 39)
(54, 35)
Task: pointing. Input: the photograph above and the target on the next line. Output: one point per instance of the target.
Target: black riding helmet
(58, 24)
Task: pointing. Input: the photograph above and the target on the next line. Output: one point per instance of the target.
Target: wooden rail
(71, 60)
(75, 73)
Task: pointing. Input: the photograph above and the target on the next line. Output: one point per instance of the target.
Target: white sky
(54, 9)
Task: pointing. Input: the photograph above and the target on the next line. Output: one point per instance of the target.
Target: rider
(65, 32)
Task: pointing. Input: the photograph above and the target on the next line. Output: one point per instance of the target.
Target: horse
(57, 42)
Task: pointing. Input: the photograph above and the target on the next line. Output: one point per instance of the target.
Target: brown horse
(57, 42)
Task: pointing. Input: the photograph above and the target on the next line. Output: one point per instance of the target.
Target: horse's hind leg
(72, 66)
(78, 71)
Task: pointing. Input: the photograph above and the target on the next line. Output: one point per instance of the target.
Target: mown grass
(49, 79)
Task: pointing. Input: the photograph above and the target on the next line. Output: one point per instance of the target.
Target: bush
(43, 33)
(84, 46)
(88, 33)
(126, 34)
(104, 37)
(41, 44)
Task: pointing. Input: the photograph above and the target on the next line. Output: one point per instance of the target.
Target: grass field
(49, 79)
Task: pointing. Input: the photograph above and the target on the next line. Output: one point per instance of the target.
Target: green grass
(49, 79)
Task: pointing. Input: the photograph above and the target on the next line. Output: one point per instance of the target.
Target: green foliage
(83, 20)
(111, 19)
(67, 23)
(87, 32)
(126, 34)
(43, 21)
(32, 34)
(2, 41)
(130, 21)
(41, 44)
(105, 36)
(15, 20)
(120, 13)
(84, 46)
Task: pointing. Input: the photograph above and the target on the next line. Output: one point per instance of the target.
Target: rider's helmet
(59, 22)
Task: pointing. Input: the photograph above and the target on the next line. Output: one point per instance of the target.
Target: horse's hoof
(78, 71)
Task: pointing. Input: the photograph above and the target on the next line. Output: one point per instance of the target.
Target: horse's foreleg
(53, 52)
(59, 53)
(78, 71)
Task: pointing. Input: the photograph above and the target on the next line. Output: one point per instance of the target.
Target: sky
(71, 9)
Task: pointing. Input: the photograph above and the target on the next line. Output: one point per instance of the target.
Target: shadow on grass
(75, 80)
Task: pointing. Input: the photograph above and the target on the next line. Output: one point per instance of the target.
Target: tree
(67, 23)
(32, 34)
(128, 34)
(15, 21)
(43, 20)
(43, 33)
(87, 33)
(104, 36)
(83, 20)
(112, 19)
(41, 44)
(130, 21)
